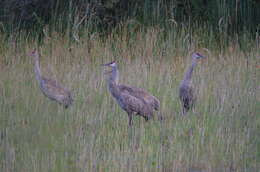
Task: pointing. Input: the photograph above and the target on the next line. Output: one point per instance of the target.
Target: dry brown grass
(92, 135)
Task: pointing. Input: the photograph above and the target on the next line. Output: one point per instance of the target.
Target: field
(220, 134)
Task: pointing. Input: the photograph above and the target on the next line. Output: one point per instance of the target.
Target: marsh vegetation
(220, 134)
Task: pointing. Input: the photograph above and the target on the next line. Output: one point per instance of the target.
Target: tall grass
(72, 17)
(221, 134)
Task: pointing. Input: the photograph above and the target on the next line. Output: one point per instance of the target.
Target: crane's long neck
(113, 82)
(37, 69)
(114, 75)
(188, 74)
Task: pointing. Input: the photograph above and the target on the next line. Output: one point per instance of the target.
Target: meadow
(221, 134)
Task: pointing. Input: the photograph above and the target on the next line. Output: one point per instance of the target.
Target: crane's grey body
(186, 92)
(51, 88)
(131, 99)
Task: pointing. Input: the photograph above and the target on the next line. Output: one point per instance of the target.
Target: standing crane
(186, 92)
(49, 87)
(131, 99)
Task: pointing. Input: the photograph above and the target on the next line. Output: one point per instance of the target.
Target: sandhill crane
(51, 88)
(186, 92)
(131, 99)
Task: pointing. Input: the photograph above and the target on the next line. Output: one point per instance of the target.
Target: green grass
(222, 134)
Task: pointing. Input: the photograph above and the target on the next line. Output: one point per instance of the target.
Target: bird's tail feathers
(156, 104)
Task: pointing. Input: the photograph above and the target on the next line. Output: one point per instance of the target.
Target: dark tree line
(233, 15)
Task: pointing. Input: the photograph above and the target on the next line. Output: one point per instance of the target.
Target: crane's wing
(140, 93)
(187, 96)
(132, 103)
(54, 91)
(54, 87)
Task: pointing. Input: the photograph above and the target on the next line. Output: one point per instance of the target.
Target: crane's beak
(202, 57)
(111, 64)
(106, 64)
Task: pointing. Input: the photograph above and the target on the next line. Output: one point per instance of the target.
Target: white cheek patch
(113, 64)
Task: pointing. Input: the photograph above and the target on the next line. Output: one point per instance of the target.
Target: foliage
(103, 15)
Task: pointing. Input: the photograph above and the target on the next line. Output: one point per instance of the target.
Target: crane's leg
(130, 116)
(185, 103)
(185, 106)
(146, 118)
(160, 117)
(184, 110)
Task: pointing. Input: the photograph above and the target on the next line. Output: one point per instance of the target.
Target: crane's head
(111, 64)
(33, 53)
(197, 56)
(113, 73)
